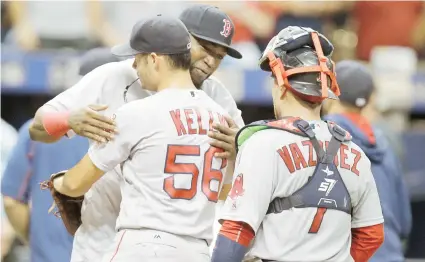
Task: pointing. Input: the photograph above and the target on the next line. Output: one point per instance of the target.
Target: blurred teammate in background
(30, 164)
(163, 151)
(9, 137)
(85, 109)
(357, 87)
(303, 189)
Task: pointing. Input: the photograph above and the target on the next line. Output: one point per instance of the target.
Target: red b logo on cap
(227, 28)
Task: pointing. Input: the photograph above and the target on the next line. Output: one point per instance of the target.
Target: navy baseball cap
(160, 34)
(95, 58)
(211, 24)
(355, 83)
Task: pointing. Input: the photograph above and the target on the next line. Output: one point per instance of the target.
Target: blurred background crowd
(41, 42)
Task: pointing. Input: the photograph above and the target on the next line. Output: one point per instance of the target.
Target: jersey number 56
(208, 173)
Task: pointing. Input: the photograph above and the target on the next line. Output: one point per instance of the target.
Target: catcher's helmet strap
(324, 70)
(277, 68)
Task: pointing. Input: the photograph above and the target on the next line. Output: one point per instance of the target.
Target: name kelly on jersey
(192, 121)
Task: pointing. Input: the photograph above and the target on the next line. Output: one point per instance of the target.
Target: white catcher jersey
(172, 178)
(106, 85)
(274, 163)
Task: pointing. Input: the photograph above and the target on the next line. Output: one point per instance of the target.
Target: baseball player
(171, 177)
(301, 186)
(83, 109)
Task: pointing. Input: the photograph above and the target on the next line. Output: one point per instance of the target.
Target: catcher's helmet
(298, 58)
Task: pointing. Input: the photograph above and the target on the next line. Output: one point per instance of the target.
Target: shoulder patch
(237, 188)
(285, 124)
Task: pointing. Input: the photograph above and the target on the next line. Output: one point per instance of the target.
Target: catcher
(301, 186)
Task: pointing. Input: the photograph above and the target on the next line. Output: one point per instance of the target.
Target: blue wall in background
(52, 72)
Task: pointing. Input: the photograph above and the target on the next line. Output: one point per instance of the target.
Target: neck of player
(177, 79)
(294, 107)
(303, 113)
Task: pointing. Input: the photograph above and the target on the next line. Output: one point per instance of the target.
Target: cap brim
(124, 50)
(230, 50)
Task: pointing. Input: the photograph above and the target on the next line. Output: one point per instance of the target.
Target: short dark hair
(180, 61)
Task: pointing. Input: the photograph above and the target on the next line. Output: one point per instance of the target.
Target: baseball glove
(69, 208)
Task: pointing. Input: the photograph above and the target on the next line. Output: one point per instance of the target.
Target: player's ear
(325, 107)
(277, 91)
(329, 105)
(154, 60)
(135, 63)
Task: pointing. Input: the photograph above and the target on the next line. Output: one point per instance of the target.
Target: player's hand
(225, 139)
(88, 122)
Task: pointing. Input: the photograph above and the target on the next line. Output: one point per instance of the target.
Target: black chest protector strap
(305, 127)
(325, 188)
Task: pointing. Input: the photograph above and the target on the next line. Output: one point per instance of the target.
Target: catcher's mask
(304, 71)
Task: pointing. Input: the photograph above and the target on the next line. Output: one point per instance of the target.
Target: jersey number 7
(317, 220)
(208, 173)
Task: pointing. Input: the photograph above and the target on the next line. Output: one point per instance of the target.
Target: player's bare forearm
(18, 214)
(79, 179)
(228, 176)
(37, 131)
(7, 238)
(224, 192)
